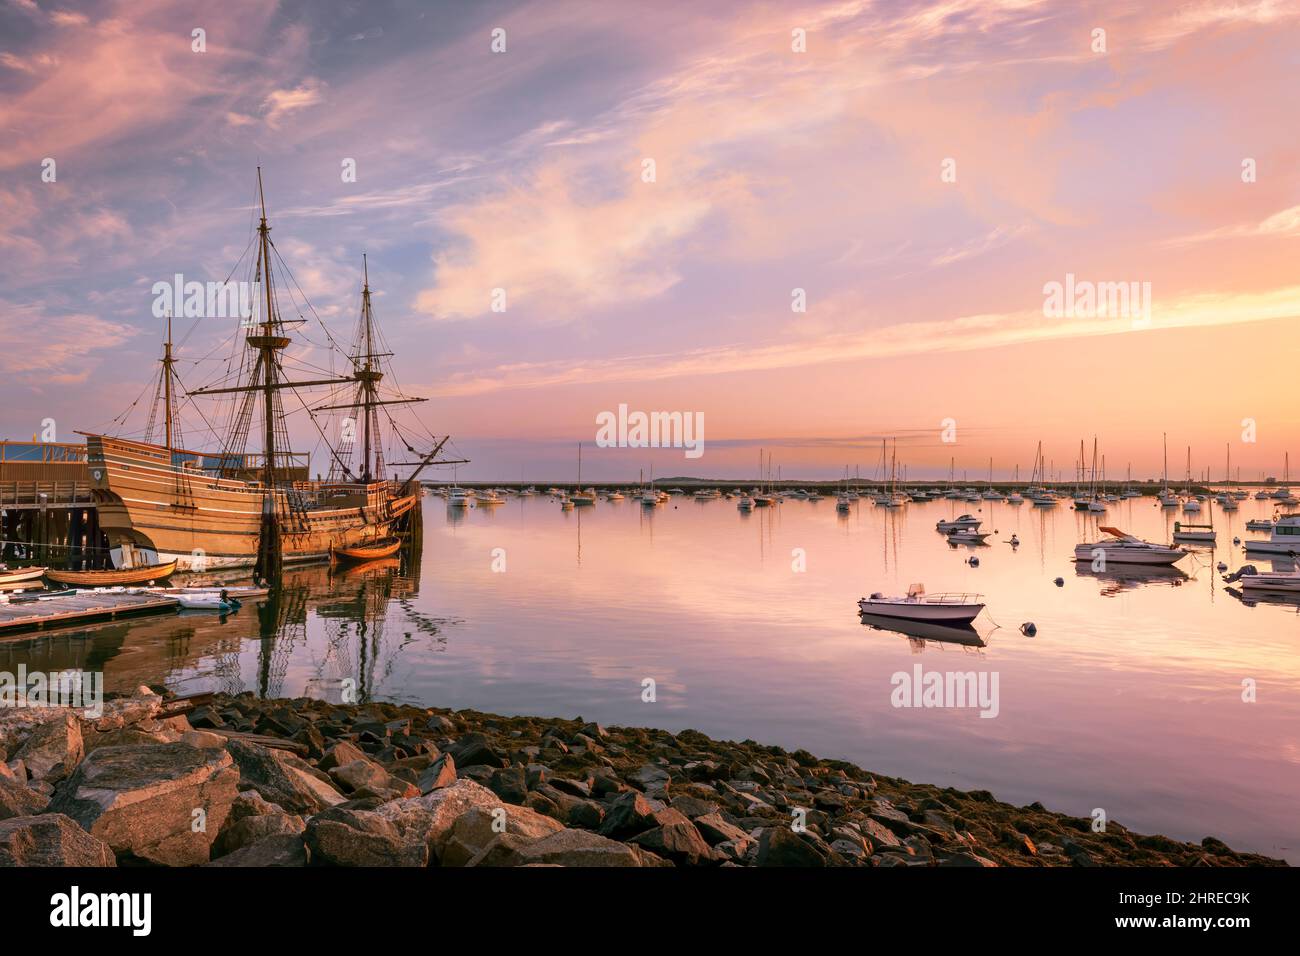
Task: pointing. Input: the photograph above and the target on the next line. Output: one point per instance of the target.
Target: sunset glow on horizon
(915, 175)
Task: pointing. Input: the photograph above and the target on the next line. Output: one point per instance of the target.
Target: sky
(816, 225)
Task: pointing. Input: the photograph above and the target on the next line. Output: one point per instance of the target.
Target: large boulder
(481, 829)
(577, 848)
(253, 829)
(51, 839)
(143, 801)
(283, 779)
(342, 837)
(627, 815)
(54, 748)
(475, 750)
(365, 774)
(142, 732)
(430, 818)
(781, 846)
(676, 838)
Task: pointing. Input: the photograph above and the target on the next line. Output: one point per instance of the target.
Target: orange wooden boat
(369, 551)
(113, 576)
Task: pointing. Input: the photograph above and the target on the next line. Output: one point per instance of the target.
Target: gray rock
(283, 779)
(441, 773)
(280, 850)
(17, 800)
(365, 774)
(143, 801)
(627, 815)
(693, 806)
(716, 830)
(51, 839)
(253, 829)
(54, 748)
(339, 837)
(428, 819)
(508, 784)
(780, 846)
(675, 838)
(650, 779)
(475, 749)
(481, 829)
(578, 848)
(343, 752)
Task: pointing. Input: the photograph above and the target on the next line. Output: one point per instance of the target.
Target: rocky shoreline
(237, 781)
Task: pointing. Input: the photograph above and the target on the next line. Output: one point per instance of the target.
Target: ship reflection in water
(1128, 697)
(326, 633)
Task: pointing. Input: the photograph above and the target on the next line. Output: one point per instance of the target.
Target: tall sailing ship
(231, 508)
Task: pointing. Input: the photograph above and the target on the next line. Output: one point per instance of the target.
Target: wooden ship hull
(156, 507)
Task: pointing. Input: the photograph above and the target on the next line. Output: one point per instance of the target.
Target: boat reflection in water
(1120, 578)
(918, 632)
(324, 634)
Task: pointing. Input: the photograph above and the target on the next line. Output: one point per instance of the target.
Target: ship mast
(369, 378)
(167, 362)
(268, 340)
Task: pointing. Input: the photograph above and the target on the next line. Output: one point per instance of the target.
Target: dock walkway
(79, 609)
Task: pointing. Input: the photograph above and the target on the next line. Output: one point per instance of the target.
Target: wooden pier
(79, 609)
(48, 511)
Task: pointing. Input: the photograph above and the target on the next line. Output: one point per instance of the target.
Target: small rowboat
(90, 579)
(369, 551)
(19, 575)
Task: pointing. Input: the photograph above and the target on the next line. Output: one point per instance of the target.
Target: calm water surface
(1129, 698)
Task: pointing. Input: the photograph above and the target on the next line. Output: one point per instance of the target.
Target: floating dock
(79, 609)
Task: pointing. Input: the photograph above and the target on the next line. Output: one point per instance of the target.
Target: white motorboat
(457, 498)
(566, 503)
(1191, 506)
(953, 524)
(1283, 539)
(746, 503)
(967, 536)
(952, 608)
(1271, 581)
(1123, 548)
(489, 497)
